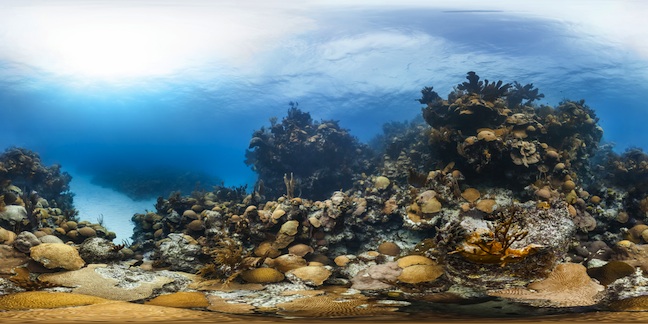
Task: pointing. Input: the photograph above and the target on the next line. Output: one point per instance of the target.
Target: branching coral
(228, 260)
(515, 96)
(495, 244)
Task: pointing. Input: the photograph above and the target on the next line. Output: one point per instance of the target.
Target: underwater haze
(114, 89)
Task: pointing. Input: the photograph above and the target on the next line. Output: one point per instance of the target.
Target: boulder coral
(57, 255)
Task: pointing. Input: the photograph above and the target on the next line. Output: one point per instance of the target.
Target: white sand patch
(93, 201)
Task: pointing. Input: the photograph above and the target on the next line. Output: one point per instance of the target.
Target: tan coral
(486, 135)
(287, 262)
(87, 231)
(389, 248)
(262, 275)
(341, 260)
(486, 205)
(428, 202)
(300, 249)
(57, 255)
(181, 299)
(266, 248)
(414, 259)
(420, 273)
(313, 275)
(44, 299)
(471, 195)
(381, 183)
(568, 285)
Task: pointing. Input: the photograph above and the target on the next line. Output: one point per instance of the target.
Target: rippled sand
(124, 312)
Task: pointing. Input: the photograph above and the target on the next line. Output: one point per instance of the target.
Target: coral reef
(27, 188)
(488, 198)
(320, 157)
(492, 137)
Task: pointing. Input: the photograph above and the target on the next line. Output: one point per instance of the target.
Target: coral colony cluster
(494, 198)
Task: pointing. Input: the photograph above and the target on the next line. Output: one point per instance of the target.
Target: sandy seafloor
(116, 209)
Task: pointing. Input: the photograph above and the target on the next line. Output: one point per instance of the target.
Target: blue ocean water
(101, 86)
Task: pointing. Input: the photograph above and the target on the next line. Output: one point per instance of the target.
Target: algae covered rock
(25, 241)
(57, 255)
(13, 215)
(99, 250)
(180, 253)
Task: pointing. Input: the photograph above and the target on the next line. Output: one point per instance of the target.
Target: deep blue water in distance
(363, 65)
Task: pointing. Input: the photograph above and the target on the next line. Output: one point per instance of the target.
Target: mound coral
(182, 299)
(57, 255)
(45, 299)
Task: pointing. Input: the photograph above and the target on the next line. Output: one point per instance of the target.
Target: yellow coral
(44, 299)
(411, 260)
(182, 299)
(262, 275)
(314, 275)
(420, 273)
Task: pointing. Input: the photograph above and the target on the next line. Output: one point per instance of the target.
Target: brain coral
(57, 255)
(45, 299)
(182, 299)
(262, 275)
(313, 275)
